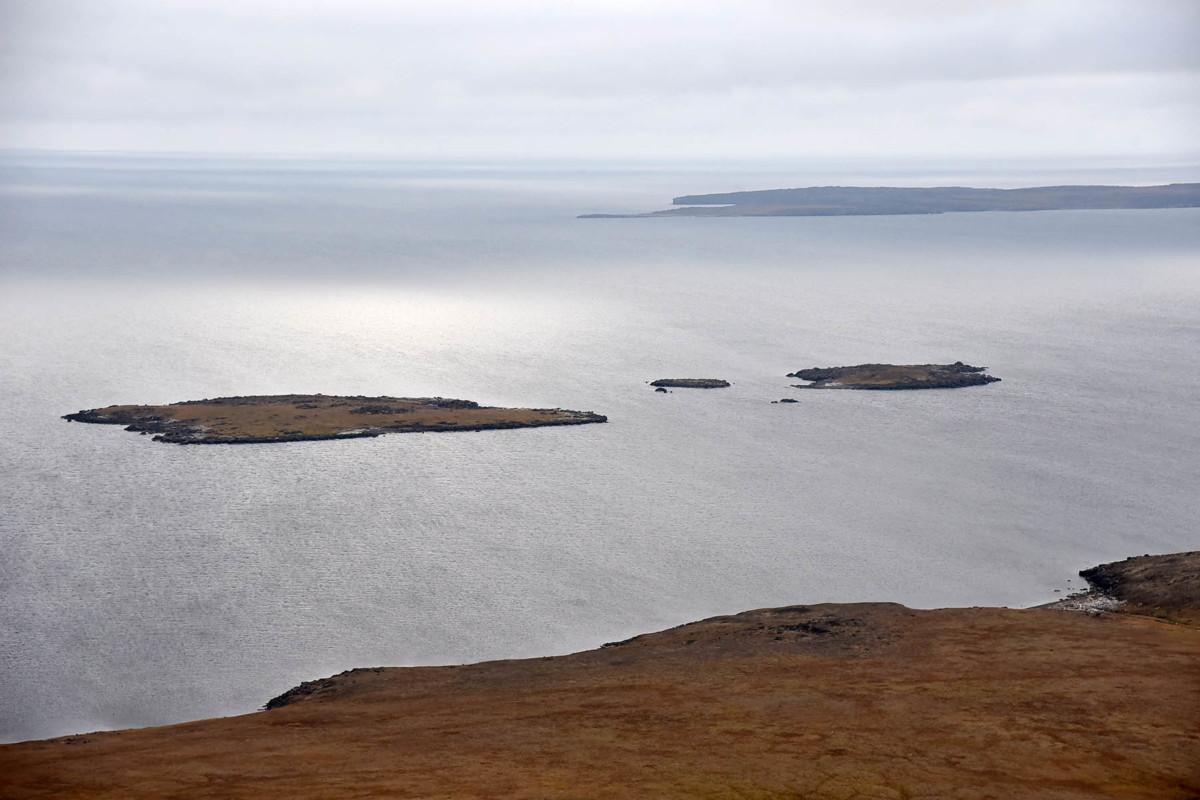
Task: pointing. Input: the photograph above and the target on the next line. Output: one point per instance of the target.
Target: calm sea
(144, 584)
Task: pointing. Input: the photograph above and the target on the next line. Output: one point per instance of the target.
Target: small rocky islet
(861, 376)
(893, 376)
(262, 419)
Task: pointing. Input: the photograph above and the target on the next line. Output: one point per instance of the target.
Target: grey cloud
(397, 72)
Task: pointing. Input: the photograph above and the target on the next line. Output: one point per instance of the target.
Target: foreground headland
(305, 417)
(862, 700)
(840, 201)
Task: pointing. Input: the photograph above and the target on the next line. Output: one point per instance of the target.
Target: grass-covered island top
(691, 383)
(304, 417)
(893, 376)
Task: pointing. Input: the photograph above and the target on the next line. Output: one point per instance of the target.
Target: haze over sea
(145, 584)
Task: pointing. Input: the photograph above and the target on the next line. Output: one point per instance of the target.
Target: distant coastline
(841, 201)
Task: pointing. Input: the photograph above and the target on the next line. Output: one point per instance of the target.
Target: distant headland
(840, 201)
(306, 417)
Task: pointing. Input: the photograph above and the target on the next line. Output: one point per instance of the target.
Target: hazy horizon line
(1185, 158)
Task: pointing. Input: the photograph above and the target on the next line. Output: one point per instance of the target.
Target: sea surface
(146, 584)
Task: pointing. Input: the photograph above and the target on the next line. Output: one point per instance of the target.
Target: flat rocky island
(306, 417)
(893, 376)
(691, 383)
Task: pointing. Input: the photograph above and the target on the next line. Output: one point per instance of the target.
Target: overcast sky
(604, 78)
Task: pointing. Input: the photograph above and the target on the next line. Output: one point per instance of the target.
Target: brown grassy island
(691, 383)
(893, 376)
(848, 700)
(306, 417)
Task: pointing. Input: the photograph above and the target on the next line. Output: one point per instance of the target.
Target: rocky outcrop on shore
(893, 376)
(266, 419)
(1165, 587)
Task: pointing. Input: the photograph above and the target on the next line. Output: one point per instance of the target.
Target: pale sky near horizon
(615, 79)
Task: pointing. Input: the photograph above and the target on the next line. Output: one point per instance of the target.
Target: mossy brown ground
(868, 700)
(287, 418)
